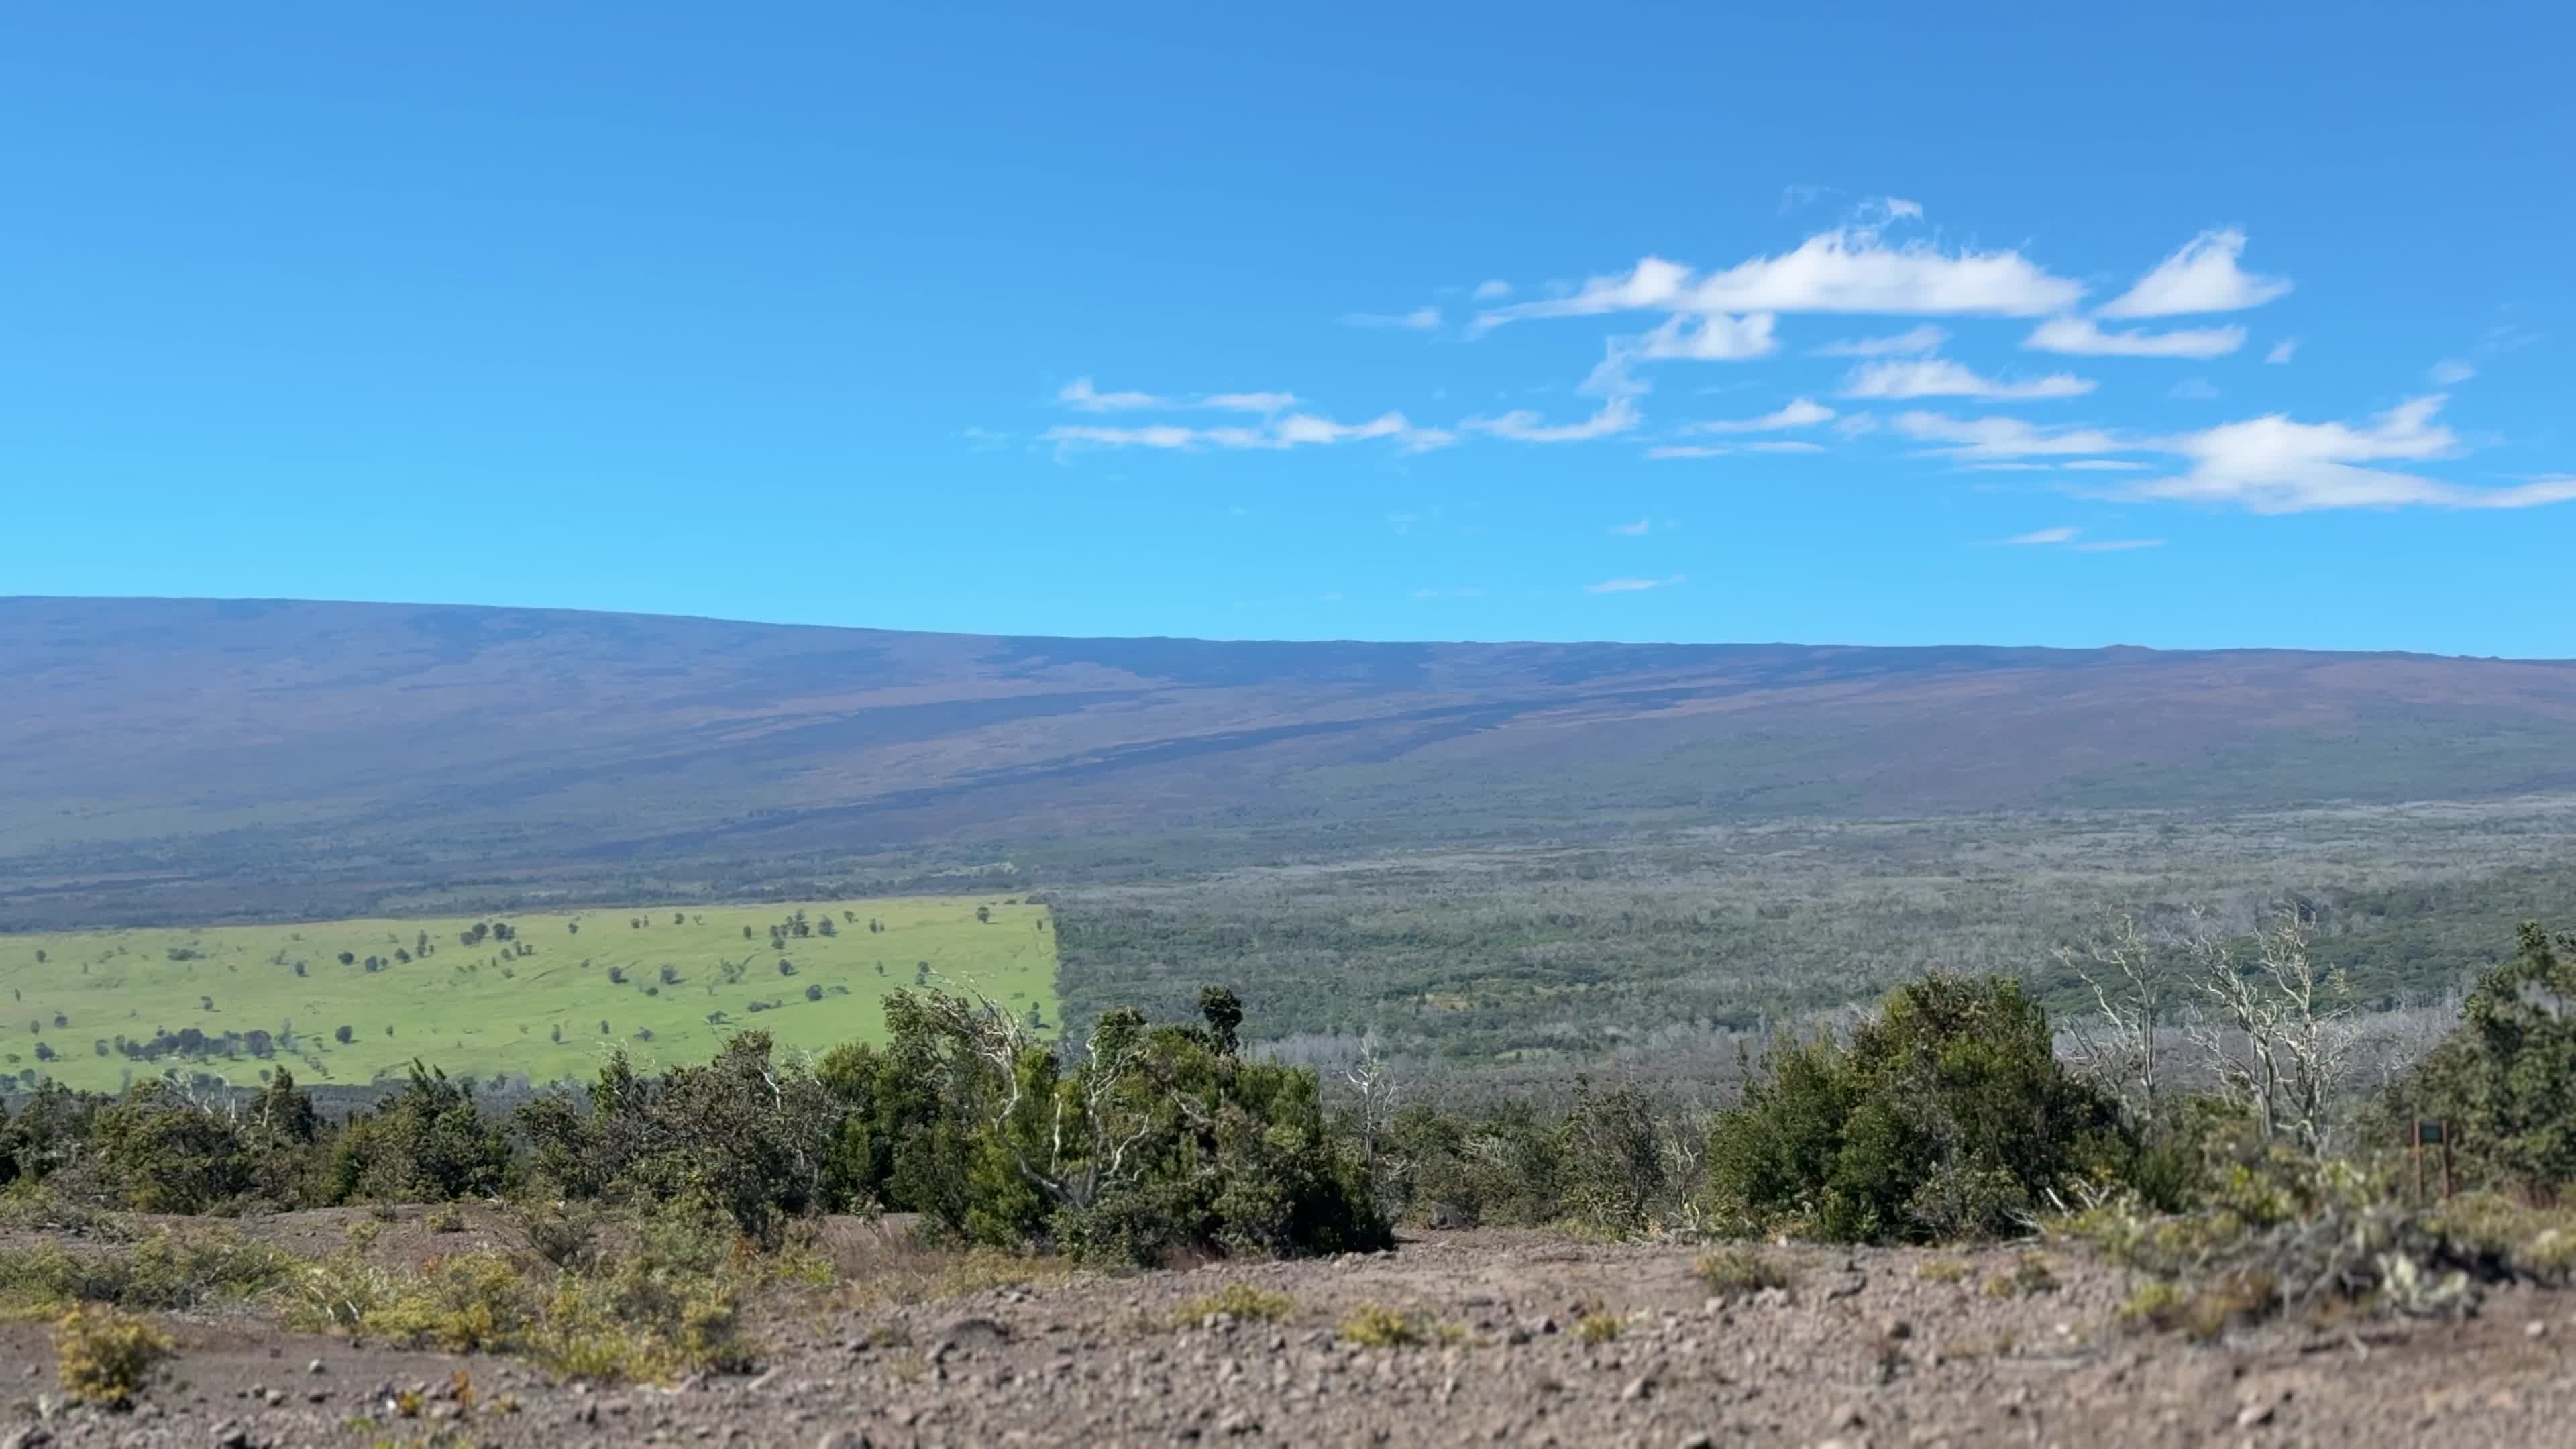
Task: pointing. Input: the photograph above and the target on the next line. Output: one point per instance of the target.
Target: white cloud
(1295, 430)
(1251, 402)
(2276, 464)
(2451, 372)
(1631, 586)
(1846, 270)
(1492, 289)
(2103, 465)
(1791, 446)
(1081, 396)
(1633, 530)
(2201, 277)
(1799, 413)
(1941, 377)
(2071, 538)
(2001, 437)
(1420, 319)
(1521, 425)
(1853, 425)
(2192, 389)
(1717, 338)
(1898, 208)
(1925, 338)
(1687, 450)
(2083, 337)
(2282, 351)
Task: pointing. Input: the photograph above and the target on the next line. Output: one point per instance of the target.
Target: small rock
(1238, 1423)
(1638, 1388)
(1844, 1416)
(1771, 1298)
(842, 1439)
(317, 1367)
(229, 1435)
(28, 1438)
(2535, 1329)
(1701, 1440)
(1895, 1328)
(2254, 1414)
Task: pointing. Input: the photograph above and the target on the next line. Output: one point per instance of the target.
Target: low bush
(1238, 1301)
(1738, 1271)
(107, 1357)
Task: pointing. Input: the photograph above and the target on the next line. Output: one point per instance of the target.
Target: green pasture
(74, 1005)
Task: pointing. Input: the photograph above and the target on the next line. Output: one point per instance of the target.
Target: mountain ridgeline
(191, 756)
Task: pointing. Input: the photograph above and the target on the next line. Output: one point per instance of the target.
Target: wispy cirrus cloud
(2005, 437)
(1420, 319)
(1926, 338)
(1666, 452)
(2072, 538)
(1798, 413)
(1632, 586)
(2282, 351)
(2200, 277)
(1277, 434)
(2084, 337)
(1521, 425)
(1081, 396)
(1490, 290)
(1941, 377)
(1638, 529)
(1850, 269)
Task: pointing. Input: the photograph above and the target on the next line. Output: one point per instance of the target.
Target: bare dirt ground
(1877, 1347)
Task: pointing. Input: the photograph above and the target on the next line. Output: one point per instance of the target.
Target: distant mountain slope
(143, 735)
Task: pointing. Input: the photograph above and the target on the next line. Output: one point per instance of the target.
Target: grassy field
(541, 996)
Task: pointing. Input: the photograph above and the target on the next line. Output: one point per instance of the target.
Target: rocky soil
(1880, 1348)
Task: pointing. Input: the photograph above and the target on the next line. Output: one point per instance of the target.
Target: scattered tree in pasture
(344, 1035)
(984, 915)
(813, 993)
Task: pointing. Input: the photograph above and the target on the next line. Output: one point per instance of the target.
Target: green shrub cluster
(1947, 1116)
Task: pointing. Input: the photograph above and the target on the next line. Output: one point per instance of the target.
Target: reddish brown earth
(1866, 1350)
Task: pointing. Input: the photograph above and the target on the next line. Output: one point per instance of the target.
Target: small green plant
(106, 1357)
(1600, 1327)
(1941, 1270)
(1236, 1300)
(1374, 1325)
(1734, 1271)
(445, 1217)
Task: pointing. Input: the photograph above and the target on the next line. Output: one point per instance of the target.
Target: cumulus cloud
(1521, 425)
(2276, 464)
(2201, 277)
(1799, 413)
(1926, 338)
(1420, 319)
(1846, 270)
(1941, 377)
(2083, 337)
(1631, 586)
(1979, 439)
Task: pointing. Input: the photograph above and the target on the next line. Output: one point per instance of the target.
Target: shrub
(1374, 1325)
(106, 1357)
(1948, 1116)
(2505, 1077)
(1600, 1327)
(1737, 1271)
(1236, 1300)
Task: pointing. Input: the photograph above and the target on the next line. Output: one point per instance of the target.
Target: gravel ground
(1878, 1348)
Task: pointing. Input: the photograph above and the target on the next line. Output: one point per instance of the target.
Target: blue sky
(2015, 324)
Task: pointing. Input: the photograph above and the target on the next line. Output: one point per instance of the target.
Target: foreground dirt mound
(1475, 1337)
